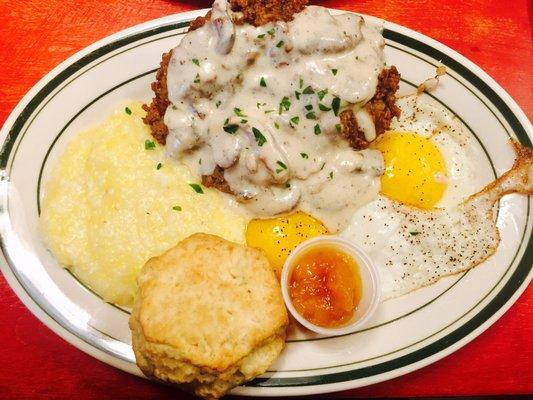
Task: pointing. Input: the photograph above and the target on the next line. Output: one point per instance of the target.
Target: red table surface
(36, 35)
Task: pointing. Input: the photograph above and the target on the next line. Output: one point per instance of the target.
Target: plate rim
(71, 338)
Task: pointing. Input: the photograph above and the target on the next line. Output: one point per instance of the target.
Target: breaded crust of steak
(155, 112)
(217, 180)
(200, 21)
(381, 107)
(258, 12)
(261, 12)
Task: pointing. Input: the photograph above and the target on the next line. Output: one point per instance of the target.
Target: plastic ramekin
(369, 278)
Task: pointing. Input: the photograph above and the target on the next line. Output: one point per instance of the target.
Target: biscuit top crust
(210, 300)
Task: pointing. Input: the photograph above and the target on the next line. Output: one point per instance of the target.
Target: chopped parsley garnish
(310, 115)
(304, 155)
(276, 125)
(149, 145)
(127, 110)
(243, 121)
(269, 111)
(218, 103)
(334, 71)
(262, 82)
(322, 94)
(331, 175)
(309, 107)
(288, 185)
(177, 208)
(261, 36)
(338, 127)
(318, 131)
(414, 233)
(197, 78)
(336, 105)
(295, 120)
(238, 112)
(323, 165)
(323, 107)
(301, 83)
(280, 43)
(297, 94)
(226, 121)
(308, 90)
(282, 167)
(259, 138)
(271, 31)
(196, 61)
(231, 129)
(159, 165)
(197, 188)
(285, 104)
(259, 105)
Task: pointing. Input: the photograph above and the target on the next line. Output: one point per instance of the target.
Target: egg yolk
(415, 171)
(279, 236)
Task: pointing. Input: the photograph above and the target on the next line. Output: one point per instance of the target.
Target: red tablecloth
(35, 35)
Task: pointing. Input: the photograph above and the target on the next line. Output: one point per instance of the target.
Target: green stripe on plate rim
(452, 75)
(469, 76)
(495, 304)
(73, 78)
(19, 123)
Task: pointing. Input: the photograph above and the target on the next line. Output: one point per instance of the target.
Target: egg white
(411, 247)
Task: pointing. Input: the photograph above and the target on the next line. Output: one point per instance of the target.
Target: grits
(107, 207)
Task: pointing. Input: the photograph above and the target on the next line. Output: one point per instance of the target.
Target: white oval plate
(406, 333)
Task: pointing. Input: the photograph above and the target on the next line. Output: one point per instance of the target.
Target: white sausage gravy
(263, 103)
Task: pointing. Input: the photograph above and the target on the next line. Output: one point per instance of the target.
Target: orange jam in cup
(325, 286)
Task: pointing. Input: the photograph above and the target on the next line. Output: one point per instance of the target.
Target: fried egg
(424, 225)
(441, 139)
(277, 237)
(415, 170)
(413, 247)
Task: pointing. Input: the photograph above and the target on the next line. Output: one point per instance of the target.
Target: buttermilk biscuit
(209, 315)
